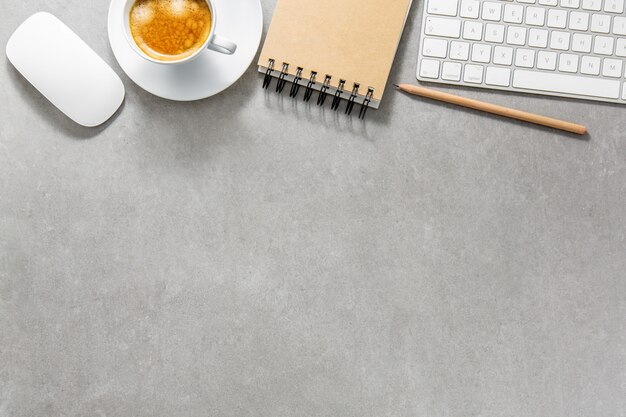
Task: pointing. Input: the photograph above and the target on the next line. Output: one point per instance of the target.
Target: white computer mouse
(65, 70)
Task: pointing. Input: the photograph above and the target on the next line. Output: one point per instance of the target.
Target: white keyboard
(565, 48)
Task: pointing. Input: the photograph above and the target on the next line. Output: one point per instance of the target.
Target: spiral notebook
(343, 49)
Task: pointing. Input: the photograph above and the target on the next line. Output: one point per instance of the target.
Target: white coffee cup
(213, 42)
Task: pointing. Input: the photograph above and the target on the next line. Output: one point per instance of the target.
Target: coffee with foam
(170, 30)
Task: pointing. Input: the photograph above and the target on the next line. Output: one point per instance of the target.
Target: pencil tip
(396, 85)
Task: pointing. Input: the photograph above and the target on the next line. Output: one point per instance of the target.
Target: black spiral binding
(353, 96)
(308, 92)
(281, 78)
(295, 87)
(338, 93)
(366, 103)
(268, 74)
(323, 93)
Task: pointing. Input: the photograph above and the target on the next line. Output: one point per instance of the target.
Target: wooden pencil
(492, 108)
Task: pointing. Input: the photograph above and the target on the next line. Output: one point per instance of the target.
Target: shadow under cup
(212, 41)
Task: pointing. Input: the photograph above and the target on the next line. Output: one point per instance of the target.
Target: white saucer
(211, 73)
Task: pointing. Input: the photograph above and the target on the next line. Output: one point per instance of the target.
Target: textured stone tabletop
(248, 255)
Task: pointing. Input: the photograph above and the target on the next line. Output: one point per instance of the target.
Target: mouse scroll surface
(65, 70)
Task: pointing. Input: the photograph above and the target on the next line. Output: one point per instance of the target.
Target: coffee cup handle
(222, 45)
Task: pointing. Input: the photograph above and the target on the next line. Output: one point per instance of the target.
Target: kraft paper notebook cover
(353, 42)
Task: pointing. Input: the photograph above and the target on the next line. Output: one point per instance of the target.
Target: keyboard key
(603, 45)
(590, 65)
(557, 18)
(560, 40)
(492, 11)
(513, 13)
(581, 42)
(535, 16)
(494, 33)
(516, 35)
(566, 84)
(525, 58)
(614, 6)
(473, 74)
(579, 21)
(503, 55)
(612, 68)
(451, 71)
(600, 23)
(594, 5)
(624, 92)
(538, 38)
(498, 76)
(443, 7)
(570, 4)
(470, 9)
(437, 48)
(568, 63)
(429, 68)
(620, 49)
(619, 25)
(447, 28)
(459, 50)
(473, 31)
(481, 53)
(546, 60)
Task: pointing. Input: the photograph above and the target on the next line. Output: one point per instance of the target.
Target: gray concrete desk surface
(248, 255)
